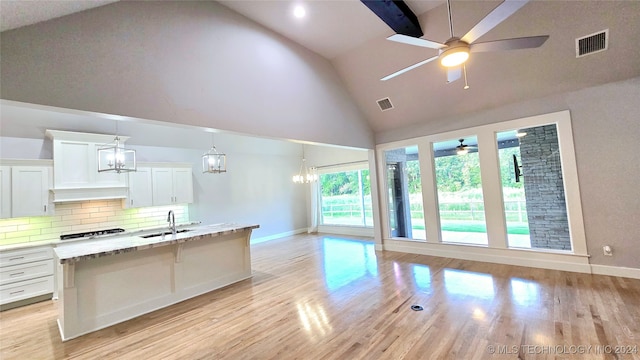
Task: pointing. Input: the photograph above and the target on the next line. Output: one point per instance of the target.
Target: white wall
(189, 62)
(606, 131)
(331, 155)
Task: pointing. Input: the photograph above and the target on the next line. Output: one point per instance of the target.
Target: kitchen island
(106, 281)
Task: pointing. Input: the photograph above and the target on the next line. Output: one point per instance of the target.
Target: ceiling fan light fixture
(462, 151)
(457, 53)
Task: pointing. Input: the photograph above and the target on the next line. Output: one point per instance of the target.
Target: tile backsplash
(83, 216)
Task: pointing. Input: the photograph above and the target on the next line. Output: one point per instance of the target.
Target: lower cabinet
(26, 275)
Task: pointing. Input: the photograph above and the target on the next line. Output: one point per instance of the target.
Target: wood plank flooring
(331, 297)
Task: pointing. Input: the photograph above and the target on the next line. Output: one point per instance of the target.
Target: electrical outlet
(607, 250)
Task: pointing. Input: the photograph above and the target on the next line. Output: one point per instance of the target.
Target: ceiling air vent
(385, 104)
(592, 44)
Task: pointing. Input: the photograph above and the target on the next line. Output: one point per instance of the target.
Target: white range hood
(75, 168)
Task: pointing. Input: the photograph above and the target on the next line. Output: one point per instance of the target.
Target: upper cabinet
(140, 188)
(30, 191)
(158, 184)
(5, 192)
(172, 185)
(75, 169)
(24, 188)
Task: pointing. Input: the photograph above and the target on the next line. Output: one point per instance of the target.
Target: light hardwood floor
(331, 297)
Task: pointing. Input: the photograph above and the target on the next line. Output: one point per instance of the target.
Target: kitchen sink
(163, 233)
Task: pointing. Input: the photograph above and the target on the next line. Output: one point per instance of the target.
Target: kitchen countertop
(112, 245)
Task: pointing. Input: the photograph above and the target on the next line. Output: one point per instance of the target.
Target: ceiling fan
(463, 149)
(455, 52)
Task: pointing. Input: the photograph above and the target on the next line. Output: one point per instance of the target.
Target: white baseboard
(615, 271)
(554, 261)
(346, 230)
(277, 236)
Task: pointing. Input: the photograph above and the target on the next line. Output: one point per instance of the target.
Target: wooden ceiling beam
(397, 15)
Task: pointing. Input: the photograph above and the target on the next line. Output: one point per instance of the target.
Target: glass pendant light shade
(115, 158)
(214, 162)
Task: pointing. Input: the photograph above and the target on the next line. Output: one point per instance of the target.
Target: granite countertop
(84, 250)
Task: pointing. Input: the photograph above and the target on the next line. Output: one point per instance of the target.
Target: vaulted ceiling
(354, 39)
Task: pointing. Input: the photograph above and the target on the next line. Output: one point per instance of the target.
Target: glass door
(404, 193)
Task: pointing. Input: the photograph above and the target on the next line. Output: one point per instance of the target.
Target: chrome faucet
(171, 219)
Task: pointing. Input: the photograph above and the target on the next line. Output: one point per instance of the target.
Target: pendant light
(214, 162)
(306, 176)
(114, 157)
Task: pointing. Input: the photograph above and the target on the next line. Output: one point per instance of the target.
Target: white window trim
(497, 249)
(353, 230)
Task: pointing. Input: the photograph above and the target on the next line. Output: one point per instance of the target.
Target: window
(404, 187)
(533, 188)
(516, 187)
(345, 197)
(460, 199)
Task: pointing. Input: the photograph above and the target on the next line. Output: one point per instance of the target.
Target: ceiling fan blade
(408, 68)
(495, 17)
(509, 44)
(416, 41)
(454, 74)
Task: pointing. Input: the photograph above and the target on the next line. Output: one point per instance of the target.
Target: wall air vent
(592, 44)
(385, 104)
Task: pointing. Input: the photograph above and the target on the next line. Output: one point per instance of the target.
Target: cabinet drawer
(22, 256)
(15, 273)
(26, 289)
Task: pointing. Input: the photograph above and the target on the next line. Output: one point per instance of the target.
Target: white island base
(99, 292)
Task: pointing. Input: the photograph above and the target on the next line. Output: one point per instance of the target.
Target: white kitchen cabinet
(26, 274)
(5, 192)
(76, 176)
(140, 188)
(172, 186)
(29, 191)
(182, 186)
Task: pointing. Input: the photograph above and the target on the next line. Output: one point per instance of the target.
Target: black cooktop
(91, 233)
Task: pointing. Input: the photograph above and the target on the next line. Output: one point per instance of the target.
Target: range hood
(75, 168)
(88, 193)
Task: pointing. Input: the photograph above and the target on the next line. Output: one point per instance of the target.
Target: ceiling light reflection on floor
(314, 319)
(479, 314)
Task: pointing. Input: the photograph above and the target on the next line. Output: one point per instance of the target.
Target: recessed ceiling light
(299, 11)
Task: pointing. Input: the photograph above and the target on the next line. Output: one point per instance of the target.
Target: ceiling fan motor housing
(455, 53)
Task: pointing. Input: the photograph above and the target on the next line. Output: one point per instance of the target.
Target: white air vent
(385, 104)
(592, 44)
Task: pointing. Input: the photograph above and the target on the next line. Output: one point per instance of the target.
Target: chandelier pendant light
(305, 175)
(214, 162)
(114, 157)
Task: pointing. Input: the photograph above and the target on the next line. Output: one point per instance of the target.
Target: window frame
(491, 186)
(357, 166)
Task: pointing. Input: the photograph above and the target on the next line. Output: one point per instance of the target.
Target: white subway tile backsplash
(86, 216)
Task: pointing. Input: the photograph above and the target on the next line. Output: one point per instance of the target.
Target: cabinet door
(72, 164)
(29, 190)
(162, 187)
(182, 186)
(140, 188)
(5, 192)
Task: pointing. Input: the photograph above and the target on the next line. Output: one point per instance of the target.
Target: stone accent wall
(544, 191)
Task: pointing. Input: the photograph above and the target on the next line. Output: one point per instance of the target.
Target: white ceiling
(330, 27)
(350, 36)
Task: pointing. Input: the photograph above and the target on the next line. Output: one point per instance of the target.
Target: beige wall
(190, 62)
(606, 132)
